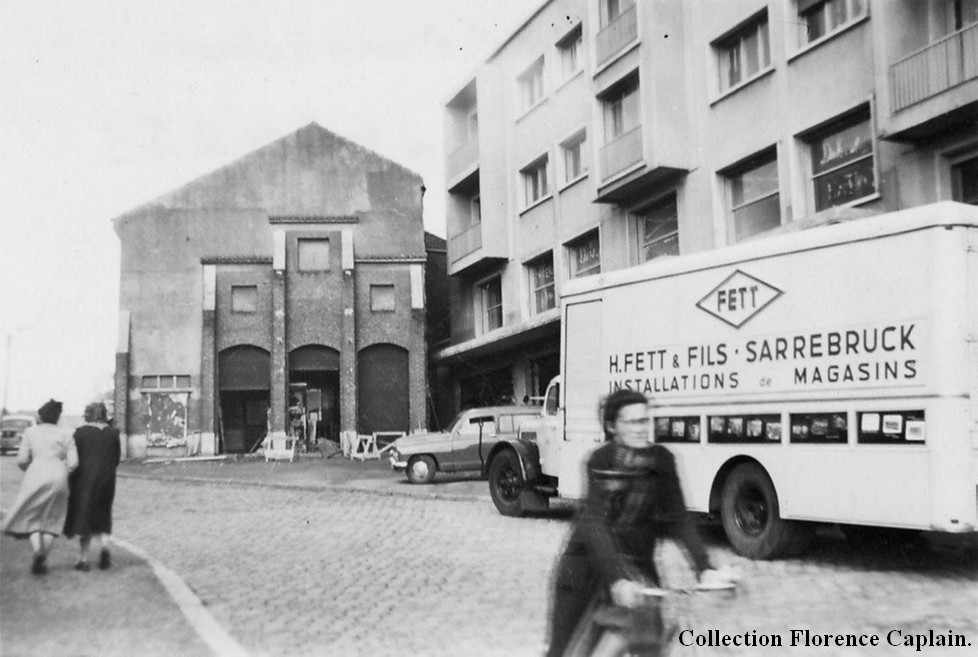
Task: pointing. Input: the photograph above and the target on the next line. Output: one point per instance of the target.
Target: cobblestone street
(297, 571)
(345, 573)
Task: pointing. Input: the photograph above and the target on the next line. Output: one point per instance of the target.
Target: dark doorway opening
(383, 401)
(314, 379)
(244, 418)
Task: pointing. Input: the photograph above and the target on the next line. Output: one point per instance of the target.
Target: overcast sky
(105, 105)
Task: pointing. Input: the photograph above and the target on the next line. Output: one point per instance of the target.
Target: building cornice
(235, 260)
(312, 219)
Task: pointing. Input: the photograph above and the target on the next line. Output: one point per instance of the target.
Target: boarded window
(382, 298)
(313, 254)
(244, 298)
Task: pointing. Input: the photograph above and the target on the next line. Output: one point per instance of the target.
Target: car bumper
(398, 463)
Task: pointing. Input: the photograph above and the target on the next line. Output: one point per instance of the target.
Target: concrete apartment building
(295, 273)
(606, 133)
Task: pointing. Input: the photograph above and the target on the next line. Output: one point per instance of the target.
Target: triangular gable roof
(307, 170)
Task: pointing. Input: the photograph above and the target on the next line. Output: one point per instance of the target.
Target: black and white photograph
(489, 328)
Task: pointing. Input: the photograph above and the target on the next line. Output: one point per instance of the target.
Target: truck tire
(506, 483)
(752, 518)
(421, 469)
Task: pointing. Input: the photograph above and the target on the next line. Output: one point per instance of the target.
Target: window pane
(751, 53)
(150, 382)
(659, 231)
(586, 256)
(757, 217)
(492, 302)
(244, 298)
(313, 255)
(843, 146)
(967, 173)
(844, 185)
(754, 183)
(183, 381)
(542, 283)
(382, 298)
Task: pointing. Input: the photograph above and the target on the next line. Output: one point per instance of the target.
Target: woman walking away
(47, 454)
(93, 485)
(633, 499)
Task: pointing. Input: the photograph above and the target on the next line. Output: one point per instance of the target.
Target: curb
(452, 497)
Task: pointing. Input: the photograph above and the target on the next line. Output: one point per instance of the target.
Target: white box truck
(826, 375)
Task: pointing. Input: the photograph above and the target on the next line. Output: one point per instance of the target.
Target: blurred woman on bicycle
(633, 499)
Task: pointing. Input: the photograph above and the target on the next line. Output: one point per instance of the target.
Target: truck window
(892, 428)
(677, 429)
(819, 428)
(745, 429)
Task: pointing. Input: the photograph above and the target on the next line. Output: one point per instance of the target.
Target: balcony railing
(464, 156)
(616, 35)
(466, 242)
(618, 155)
(936, 68)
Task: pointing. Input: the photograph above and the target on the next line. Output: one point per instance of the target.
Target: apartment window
(541, 273)
(491, 293)
(475, 210)
(966, 181)
(621, 109)
(754, 200)
(585, 255)
(244, 298)
(658, 230)
(843, 162)
(313, 254)
(570, 49)
(535, 181)
(612, 9)
(575, 156)
(744, 54)
(531, 85)
(382, 298)
(822, 17)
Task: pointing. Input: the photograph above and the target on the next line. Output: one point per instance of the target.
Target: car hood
(422, 441)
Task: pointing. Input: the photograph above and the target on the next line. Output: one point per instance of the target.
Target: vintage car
(12, 431)
(465, 447)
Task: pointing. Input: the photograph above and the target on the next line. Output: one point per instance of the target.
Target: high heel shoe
(104, 560)
(38, 567)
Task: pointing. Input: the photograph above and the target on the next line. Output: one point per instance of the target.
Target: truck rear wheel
(752, 517)
(506, 483)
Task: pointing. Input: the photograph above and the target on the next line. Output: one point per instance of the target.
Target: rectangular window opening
(244, 298)
(313, 254)
(382, 298)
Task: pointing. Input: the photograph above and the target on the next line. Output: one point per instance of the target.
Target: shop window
(658, 230)
(541, 273)
(824, 428)
(491, 293)
(575, 156)
(843, 162)
(382, 298)
(571, 51)
(821, 18)
(244, 298)
(531, 85)
(585, 255)
(754, 199)
(535, 186)
(745, 429)
(744, 54)
(313, 254)
(892, 428)
(677, 429)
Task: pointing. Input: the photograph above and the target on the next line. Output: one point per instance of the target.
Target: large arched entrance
(314, 380)
(243, 384)
(383, 399)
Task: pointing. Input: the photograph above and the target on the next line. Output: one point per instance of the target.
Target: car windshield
(15, 424)
(454, 423)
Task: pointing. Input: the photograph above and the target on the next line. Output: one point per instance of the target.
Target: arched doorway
(243, 384)
(314, 379)
(383, 401)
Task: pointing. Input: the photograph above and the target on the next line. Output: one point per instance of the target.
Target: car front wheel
(421, 470)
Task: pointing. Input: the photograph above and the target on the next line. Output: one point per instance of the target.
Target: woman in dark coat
(92, 485)
(633, 498)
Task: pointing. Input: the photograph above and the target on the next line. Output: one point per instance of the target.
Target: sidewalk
(127, 610)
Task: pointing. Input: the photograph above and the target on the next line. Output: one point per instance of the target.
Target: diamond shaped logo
(738, 298)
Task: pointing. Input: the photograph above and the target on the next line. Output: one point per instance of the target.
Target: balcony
(616, 35)
(466, 242)
(935, 88)
(463, 160)
(623, 152)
